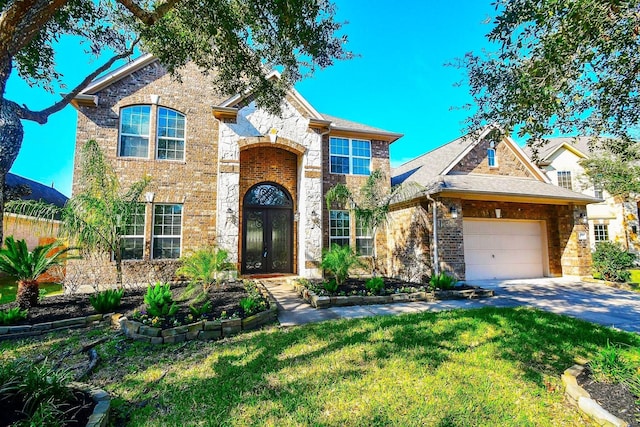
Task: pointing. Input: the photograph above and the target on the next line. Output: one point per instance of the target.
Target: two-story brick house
(224, 171)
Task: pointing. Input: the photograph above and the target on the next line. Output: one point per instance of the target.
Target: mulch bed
(354, 286)
(80, 409)
(614, 397)
(224, 298)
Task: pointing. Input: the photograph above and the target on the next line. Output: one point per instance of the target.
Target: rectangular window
(597, 191)
(170, 135)
(167, 231)
(132, 234)
(364, 240)
(564, 180)
(349, 156)
(134, 131)
(491, 157)
(601, 232)
(339, 228)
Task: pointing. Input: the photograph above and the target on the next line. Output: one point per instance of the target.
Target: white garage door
(503, 249)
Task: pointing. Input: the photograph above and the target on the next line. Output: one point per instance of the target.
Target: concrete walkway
(592, 302)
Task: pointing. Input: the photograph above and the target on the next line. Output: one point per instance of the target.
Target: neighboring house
(34, 231)
(612, 219)
(225, 172)
(486, 212)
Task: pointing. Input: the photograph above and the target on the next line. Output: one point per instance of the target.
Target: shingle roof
(429, 170)
(342, 124)
(581, 143)
(38, 191)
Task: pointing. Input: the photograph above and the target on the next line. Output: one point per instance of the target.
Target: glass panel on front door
(268, 230)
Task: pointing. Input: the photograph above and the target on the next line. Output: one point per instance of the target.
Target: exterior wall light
(148, 196)
(583, 218)
(498, 213)
(453, 211)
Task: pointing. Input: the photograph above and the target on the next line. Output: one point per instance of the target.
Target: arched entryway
(267, 237)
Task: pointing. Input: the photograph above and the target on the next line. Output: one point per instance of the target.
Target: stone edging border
(203, 330)
(100, 415)
(582, 399)
(317, 301)
(23, 331)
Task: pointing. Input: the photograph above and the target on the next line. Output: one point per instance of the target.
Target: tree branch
(146, 17)
(42, 116)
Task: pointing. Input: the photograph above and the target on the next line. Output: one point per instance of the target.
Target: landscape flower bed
(354, 292)
(219, 311)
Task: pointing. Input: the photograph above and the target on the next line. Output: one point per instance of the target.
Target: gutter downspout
(436, 263)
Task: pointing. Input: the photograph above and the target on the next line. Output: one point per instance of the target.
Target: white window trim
(351, 156)
(153, 223)
(596, 234)
(135, 236)
(332, 238)
(564, 172)
(121, 134)
(364, 236)
(184, 139)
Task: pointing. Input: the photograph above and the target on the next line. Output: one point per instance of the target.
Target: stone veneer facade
(223, 158)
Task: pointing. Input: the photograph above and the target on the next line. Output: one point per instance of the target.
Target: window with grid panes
(132, 234)
(564, 180)
(601, 233)
(167, 230)
(364, 239)
(134, 131)
(339, 228)
(170, 135)
(349, 156)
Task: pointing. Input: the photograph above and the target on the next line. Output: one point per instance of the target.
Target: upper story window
(598, 192)
(349, 156)
(564, 180)
(134, 131)
(491, 158)
(170, 135)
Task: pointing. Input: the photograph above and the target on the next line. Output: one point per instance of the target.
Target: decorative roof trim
(566, 146)
(384, 136)
(118, 74)
(222, 113)
(85, 100)
(512, 197)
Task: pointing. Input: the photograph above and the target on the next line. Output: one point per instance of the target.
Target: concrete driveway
(589, 301)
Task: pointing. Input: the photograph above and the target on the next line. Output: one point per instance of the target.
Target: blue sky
(397, 83)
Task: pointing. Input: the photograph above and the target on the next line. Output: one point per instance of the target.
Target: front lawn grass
(489, 367)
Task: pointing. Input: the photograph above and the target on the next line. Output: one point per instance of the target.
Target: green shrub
(204, 265)
(254, 302)
(375, 285)
(198, 312)
(159, 301)
(442, 281)
(40, 394)
(612, 261)
(12, 316)
(331, 286)
(611, 365)
(107, 300)
(339, 260)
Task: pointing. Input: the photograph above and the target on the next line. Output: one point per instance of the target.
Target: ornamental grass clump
(442, 281)
(107, 300)
(159, 301)
(375, 285)
(12, 316)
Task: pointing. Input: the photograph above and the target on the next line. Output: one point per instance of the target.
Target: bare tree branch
(42, 116)
(148, 18)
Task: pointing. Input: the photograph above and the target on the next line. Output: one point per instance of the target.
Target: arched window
(134, 131)
(267, 194)
(170, 142)
(491, 157)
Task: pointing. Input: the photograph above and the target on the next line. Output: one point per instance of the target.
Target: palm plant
(96, 217)
(26, 267)
(204, 265)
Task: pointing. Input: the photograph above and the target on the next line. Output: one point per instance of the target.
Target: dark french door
(267, 230)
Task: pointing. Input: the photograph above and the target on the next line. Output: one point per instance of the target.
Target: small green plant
(375, 285)
(248, 305)
(254, 302)
(40, 394)
(611, 365)
(159, 301)
(199, 312)
(12, 316)
(442, 281)
(204, 265)
(107, 300)
(339, 261)
(330, 286)
(612, 262)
